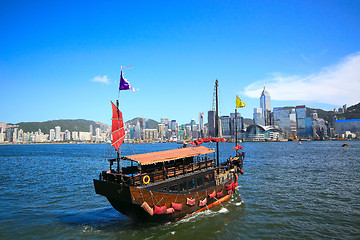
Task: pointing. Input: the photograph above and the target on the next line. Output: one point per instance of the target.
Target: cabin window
(199, 181)
(191, 184)
(183, 187)
(209, 178)
(173, 188)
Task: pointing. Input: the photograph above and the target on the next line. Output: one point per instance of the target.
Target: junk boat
(168, 185)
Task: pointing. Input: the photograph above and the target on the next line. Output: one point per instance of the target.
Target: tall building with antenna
(266, 106)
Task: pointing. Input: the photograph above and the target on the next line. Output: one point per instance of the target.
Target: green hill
(352, 112)
(149, 123)
(65, 124)
(326, 115)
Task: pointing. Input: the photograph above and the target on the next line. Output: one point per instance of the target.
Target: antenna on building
(264, 85)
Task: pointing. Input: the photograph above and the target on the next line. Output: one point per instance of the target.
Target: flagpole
(119, 149)
(217, 127)
(236, 127)
(119, 85)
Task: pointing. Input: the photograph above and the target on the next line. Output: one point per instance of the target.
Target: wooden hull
(128, 199)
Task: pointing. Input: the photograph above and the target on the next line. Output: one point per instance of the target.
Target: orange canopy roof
(155, 157)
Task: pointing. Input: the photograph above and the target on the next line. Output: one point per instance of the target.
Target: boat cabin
(162, 167)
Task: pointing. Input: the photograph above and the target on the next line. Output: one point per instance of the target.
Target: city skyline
(282, 123)
(63, 61)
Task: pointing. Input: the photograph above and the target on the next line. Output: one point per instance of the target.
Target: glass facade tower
(266, 107)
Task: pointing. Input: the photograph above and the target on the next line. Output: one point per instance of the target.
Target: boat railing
(158, 175)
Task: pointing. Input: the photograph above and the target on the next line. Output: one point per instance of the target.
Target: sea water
(288, 191)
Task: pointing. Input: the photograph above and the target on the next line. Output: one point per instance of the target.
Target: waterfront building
(211, 123)
(201, 124)
(282, 120)
(67, 135)
(192, 123)
(188, 131)
(2, 127)
(173, 126)
(300, 120)
(292, 117)
(347, 125)
(137, 131)
(91, 130)
(74, 135)
(26, 137)
(195, 133)
(150, 134)
(319, 127)
(225, 126)
(15, 135)
(240, 125)
(21, 135)
(161, 127)
(147, 123)
(182, 132)
(258, 116)
(308, 127)
(131, 132)
(97, 133)
(9, 134)
(256, 132)
(57, 133)
(266, 107)
(84, 136)
(36, 137)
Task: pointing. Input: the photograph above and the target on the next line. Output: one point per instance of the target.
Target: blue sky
(62, 59)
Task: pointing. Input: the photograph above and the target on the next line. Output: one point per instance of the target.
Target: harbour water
(288, 191)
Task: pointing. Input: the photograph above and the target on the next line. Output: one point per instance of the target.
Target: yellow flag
(239, 103)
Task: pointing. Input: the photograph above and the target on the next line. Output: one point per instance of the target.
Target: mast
(217, 125)
(117, 152)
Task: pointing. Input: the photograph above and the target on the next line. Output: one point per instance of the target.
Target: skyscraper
(300, 119)
(266, 107)
(233, 125)
(192, 124)
(225, 125)
(91, 130)
(201, 124)
(211, 123)
(258, 116)
(52, 135)
(57, 133)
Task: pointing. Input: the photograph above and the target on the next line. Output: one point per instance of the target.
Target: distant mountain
(326, 115)
(149, 123)
(65, 124)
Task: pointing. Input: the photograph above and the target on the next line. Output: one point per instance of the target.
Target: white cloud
(103, 79)
(337, 85)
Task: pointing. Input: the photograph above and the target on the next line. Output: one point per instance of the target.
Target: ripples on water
(308, 191)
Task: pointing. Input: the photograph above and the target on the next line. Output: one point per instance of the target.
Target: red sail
(117, 131)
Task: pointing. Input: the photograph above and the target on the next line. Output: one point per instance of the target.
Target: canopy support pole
(217, 126)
